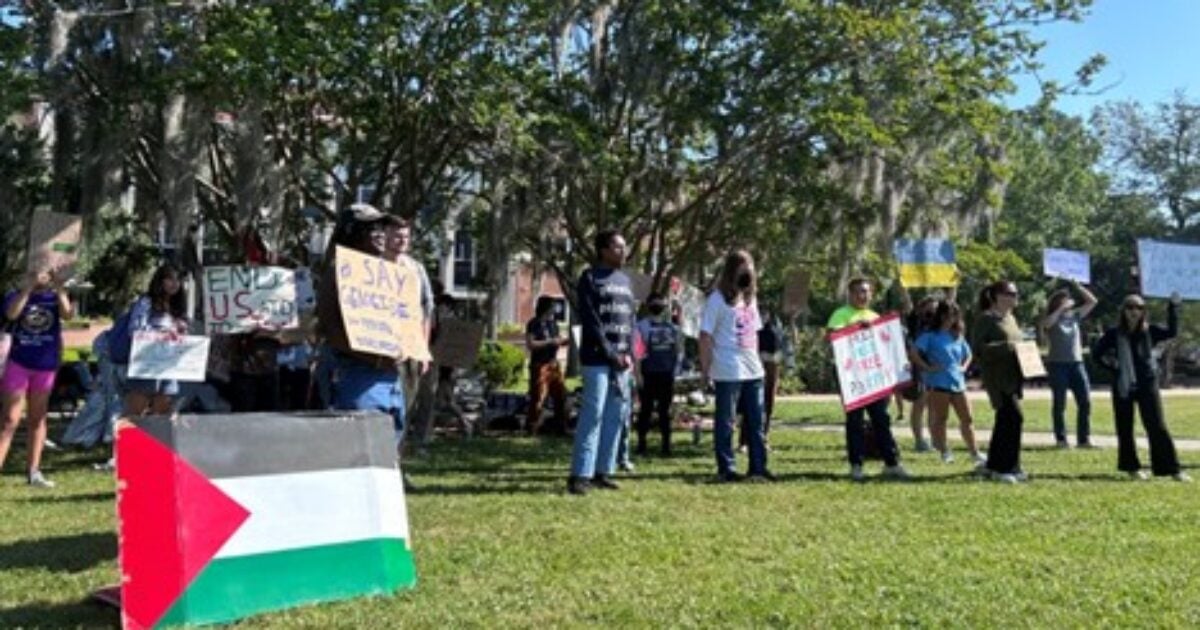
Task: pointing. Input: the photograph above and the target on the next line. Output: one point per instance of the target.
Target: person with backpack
(729, 360)
(858, 313)
(663, 343)
(1127, 350)
(34, 315)
(163, 308)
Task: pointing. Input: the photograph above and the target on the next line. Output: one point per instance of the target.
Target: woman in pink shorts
(34, 316)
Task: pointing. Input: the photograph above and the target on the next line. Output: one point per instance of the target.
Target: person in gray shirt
(1064, 364)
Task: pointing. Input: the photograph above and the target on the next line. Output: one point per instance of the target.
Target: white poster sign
(871, 361)
(1165, 268)
(168, 356)
(246, 299)
(1067, 264)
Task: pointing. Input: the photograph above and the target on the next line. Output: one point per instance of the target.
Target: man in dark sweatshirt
(605, 301)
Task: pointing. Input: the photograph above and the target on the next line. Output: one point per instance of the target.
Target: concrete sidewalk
(985, 435)
(1040, 393)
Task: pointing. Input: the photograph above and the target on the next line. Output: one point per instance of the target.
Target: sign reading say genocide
(871, 360)
(245, 299)
(381, 306)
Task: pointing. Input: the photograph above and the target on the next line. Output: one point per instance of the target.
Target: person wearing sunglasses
(1127, 349)
(994, 342)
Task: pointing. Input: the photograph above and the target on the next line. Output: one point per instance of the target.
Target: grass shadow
(48, 615)
(69, 554)
(71, 498)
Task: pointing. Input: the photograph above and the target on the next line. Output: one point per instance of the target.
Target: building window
(465, 265)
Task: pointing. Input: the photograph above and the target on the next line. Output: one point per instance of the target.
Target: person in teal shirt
(858, 312)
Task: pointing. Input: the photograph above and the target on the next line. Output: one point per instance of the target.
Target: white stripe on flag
(297, 510)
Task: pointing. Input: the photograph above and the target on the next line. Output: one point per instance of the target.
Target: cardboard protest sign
(795, 292)
(457, 343)
(1165, 268)
(229, 515)
(1030, 358)
(1067, 264)
(54, 240)
(168, 356)
(247, 299)
(871, 361)
(926, 262)
(381, 306)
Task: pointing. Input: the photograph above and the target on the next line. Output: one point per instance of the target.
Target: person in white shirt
(729, 359)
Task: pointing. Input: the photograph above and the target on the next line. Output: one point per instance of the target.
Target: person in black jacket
(605, 298)
(1127, 349)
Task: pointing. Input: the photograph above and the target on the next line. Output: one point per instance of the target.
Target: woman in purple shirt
(34, 316)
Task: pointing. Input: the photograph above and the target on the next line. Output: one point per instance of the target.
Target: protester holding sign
(1127, 349)
(729, 360)
(34, 314)
(418, 381)
(605, 299)
(361, 381)
(858, 313)
(943, 356)
(1065, 362)
(162, 309)
(994, 342)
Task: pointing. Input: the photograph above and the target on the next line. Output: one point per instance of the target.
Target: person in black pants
(1127, 350)
(663, 347)
(994, 342)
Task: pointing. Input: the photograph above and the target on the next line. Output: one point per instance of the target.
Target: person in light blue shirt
(943, 356)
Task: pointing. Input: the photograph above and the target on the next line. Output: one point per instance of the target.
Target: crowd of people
(625, 361)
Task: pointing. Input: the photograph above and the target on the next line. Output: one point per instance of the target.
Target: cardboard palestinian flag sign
(225, 516)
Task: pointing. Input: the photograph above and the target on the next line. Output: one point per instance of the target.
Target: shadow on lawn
(69, 554)
(48, 615)
(71, 498)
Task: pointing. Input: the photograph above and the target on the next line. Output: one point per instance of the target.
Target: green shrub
(814, 371)
(500, 363)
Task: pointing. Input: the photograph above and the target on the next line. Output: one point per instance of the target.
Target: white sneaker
(1182, 477)
(922, 446)
(1138, 475)
(979, 458)
(626, 466)
(897, 472)
(1021, 476)
(856, 473)
(947, 457)
(1005, 478)
(38, 480)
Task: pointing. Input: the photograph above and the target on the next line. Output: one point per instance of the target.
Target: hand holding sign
(380, 303)
(1067, 264)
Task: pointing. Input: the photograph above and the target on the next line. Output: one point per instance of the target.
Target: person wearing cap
(361, 381)
(663, 343)
(1127, 350)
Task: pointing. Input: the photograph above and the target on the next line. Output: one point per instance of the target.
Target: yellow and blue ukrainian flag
(926, 262)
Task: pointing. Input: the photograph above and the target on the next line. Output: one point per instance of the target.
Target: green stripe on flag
(235, 587)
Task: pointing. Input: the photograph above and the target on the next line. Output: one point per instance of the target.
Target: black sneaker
(763, 477)
(578, 485)
(729, 477)
(604, 483)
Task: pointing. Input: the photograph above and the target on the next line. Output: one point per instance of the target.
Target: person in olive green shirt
(859, 312)
(994, 342)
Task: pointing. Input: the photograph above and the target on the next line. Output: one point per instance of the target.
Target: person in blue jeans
(605, 302)
(1064, 363)
(729, 359)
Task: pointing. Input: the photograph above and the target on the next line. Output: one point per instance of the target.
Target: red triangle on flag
(173, 520)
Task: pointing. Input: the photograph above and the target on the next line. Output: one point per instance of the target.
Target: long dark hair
(727, 282)
(948, 312)
(987, 297)
(1056, 300)
(160, 302)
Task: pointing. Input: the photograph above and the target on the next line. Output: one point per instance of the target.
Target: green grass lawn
(499, 544)
(1183, 415)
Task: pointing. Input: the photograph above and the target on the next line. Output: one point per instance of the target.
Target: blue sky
(1152, 46)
